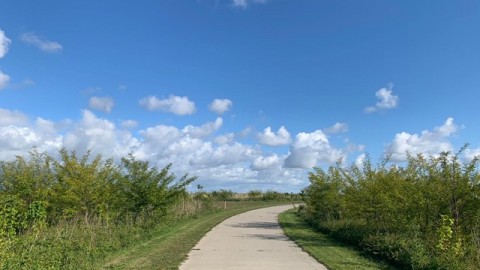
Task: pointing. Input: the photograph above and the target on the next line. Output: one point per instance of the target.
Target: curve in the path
(252, 240)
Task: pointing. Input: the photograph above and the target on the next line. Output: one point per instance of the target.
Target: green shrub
(422, 216)
(67, 213)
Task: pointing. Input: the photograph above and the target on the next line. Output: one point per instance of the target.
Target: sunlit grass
(334, 255)
(171, 243)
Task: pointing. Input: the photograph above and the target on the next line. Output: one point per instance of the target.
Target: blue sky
(245, 94)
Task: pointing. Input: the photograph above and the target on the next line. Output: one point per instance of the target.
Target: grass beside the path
(172, 242)
(332, 254)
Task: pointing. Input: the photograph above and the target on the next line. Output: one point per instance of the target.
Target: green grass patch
(332, 254)
(170, 243)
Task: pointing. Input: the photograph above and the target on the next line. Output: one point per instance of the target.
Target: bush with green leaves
(148, 191)
(423, 215)
(39, 190)
(62, 213)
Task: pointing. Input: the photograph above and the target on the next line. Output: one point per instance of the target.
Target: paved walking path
(252, 240)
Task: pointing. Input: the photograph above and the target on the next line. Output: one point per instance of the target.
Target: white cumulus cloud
(4, 43)
(337, 128)
(220, 106)
(309, 149)
(226, 154)
(167, 144)
(14, 139)
(156, 141)
(4, 78)
(427, 142)
(470, 154)
(219, 161)
(174, 104)
(224, 139)
(41, 43)
(240, 3)
(203, 130)
(8, 117)
(360, 160)
(18, 135)
(245, 3)
(129, 124)
(245, 132)
(100, 136)
(281, 137)
(386, 100)
(104, 104)
(266, 163)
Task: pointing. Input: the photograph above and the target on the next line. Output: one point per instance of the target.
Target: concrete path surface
(252, 240)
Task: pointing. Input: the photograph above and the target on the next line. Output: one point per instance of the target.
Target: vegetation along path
(170, 243)
(252, 240)
(333, 254)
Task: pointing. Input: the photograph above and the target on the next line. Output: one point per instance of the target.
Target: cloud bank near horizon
(223, 160)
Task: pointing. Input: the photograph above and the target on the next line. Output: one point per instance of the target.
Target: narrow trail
(251, 240)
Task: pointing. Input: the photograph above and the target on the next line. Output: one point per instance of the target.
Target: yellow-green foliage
(71, 212)
(423, 215)
(54, 213)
